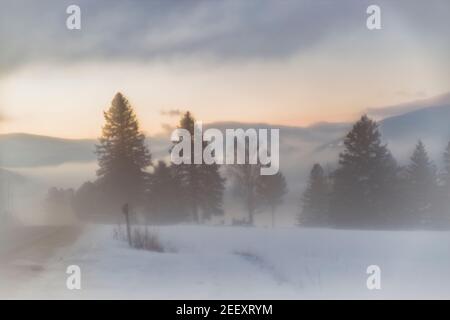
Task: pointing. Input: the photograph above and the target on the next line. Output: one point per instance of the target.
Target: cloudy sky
(283, 62)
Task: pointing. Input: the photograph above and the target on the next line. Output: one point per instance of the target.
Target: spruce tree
(202, 184)
(271, 190)
(364, 181)
(122, 154)
(213, 185)
(421, 184)
(188, 174)
(316, 198)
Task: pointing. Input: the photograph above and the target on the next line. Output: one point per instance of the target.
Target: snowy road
(203, 262)
(24, 254)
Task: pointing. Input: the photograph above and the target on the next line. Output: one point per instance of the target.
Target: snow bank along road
(247, 263)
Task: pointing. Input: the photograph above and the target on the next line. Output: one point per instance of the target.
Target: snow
(206, 262)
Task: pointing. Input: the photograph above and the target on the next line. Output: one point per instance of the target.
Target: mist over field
(33, 164)
(224, 150)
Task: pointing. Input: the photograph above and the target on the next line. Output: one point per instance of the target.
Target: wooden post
(126, 212)
(273, 217)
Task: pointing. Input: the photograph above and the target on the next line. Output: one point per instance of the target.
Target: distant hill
(403, 108)
(431, 124)
(27, 150)
(299, 146)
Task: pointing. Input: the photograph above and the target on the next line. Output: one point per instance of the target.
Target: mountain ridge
(320, 142)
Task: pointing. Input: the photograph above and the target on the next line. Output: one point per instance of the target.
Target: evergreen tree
(364, 181)
(271, 190)
(122, 154)
(316, 198)
(188, 174)
(202, 184)
(213, 185)
(421, 183)
(163, 188)
(90, 201)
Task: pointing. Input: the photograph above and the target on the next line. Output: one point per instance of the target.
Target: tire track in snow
(264, 265)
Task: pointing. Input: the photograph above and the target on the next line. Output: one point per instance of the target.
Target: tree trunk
(126, 212)
(127, 217)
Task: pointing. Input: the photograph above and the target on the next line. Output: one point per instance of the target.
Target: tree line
(370, 190)
(163, 192)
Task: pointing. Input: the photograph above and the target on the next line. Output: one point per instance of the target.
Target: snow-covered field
(249, 263)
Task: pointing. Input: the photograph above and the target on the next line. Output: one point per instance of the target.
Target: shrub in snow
(141, 238)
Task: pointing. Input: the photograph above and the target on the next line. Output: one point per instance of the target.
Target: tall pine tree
(316, 199)
(202, 185)
(122, 154)
(421, 184)
(364, 181)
